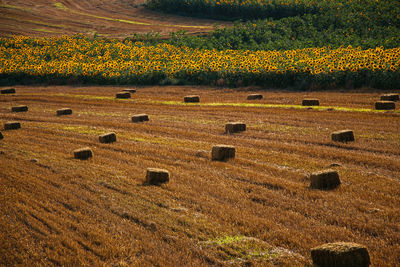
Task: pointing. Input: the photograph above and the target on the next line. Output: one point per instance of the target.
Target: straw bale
(340, 254)
(155, 176)
(191, 99)
(222, 152)
(325, 180)
(343, 136)
(310, 102)
(140, 118)
(19, 108)
(83, 153)
(254, 96)
(235, 127)
(108, 137)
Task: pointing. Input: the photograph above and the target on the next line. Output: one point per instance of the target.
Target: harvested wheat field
(112, 19)
(256, 208)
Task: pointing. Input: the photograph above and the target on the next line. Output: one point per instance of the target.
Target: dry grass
(105, 18)
(256, 208)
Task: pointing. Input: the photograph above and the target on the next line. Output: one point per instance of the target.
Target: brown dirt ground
(108, 18)
(255, 209)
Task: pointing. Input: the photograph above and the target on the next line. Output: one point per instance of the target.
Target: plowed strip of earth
(106, 18)
(254, 209)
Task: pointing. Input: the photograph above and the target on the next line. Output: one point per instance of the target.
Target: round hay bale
(108, 138)
(191, 99)
(343, 136)
(390, 97)
(1, 136)
(235, 127)
(19, 109)
(64, 111)
(340, 254)
(155, 176)
(12, 125)
(310, 102)
(222, 152)
(8, 91)
(83, 153)
(254, 96)
(385, 105)
(129, 90)
(324, 180)
(140, 118)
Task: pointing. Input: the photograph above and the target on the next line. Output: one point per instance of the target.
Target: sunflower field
(79, 59)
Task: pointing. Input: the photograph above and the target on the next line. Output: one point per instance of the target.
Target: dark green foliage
(364, 23)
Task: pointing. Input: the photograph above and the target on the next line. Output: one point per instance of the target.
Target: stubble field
(254, 209)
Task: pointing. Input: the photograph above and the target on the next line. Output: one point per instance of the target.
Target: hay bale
(129, 90)
(12, 125)
(140, 118)
(1, 136)
(385, 105)
(222, 152)
(235, 127)
(310, 102)
(325, 180)
(83, 153)
(123, 95)
(19, 108)
(340, 254)
(64, 111)
(390, 97)
(155, 176)
(191, 99)
(8, 91)
(343, 136)
(254, 96)
(108, 138)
